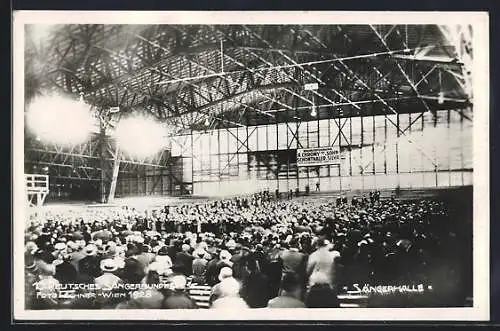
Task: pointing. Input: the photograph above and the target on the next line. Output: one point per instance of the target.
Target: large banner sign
(318, 156)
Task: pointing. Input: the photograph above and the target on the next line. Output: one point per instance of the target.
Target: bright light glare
(140, 136)
(59, 120)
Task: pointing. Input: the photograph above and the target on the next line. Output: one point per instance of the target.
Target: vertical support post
(385, 143)
(222, 55)
(298, 144)
(329, 144)
(448, 145)
(162, 192)
(374, 170)
(434, 150)
(287, 158)
(397, 149)
(103, 162)
(421, 154)
(114, 179)
(339, 138)
(277, 157)
(362, 133)
(192, 165)
(461, 145)
(308, 168)
(350, 143)
(319, 145)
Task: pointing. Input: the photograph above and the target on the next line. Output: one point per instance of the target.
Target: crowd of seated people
(249, 252)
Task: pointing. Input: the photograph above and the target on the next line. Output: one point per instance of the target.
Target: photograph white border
(481, 271)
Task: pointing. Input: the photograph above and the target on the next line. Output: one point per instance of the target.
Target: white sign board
(318, 156)
(311, 86)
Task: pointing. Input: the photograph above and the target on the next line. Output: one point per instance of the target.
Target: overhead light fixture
(313, 111)
(441, 98)
(441, 93)
(207, 122)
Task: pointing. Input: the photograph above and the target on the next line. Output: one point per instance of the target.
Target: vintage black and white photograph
(246, 166)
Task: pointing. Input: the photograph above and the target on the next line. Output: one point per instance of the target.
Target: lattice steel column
(114, 178)
(107, 160)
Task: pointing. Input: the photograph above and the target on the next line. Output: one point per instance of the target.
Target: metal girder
(461, 38)
(244, 66)
(403, 72)
(234, 155)
(319, 80)
(232, 97)
(424, 77)
(385, 115)
(153, 53)
(196, 86)
(239, 45)
(237, 84)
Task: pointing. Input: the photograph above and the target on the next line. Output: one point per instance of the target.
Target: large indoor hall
(247, 166)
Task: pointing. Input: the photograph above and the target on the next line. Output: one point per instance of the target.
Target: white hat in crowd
(108, 265)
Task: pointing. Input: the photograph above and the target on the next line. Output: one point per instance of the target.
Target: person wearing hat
(290, 293)
(323, 261)
(212, 268)
(162, 264)
(229, 296)
(163, 257)
(65, 272)
(184, 260)
(145, 255)
(31, 277)
(76, 253)
(294, 261)
(239, 261)
(224, 261)
(46, 284)
(89, 266)
(151, 297)
(231, 246)
(178, 297)
(110, 250)
(199, 266)
(225, 273)
(108, 279)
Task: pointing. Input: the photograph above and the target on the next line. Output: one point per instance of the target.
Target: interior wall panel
(406, 150)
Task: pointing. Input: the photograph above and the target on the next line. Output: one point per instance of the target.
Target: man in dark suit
(294, 261)
(178, 298)
(290, 293)
(184, 261)
(89, 267)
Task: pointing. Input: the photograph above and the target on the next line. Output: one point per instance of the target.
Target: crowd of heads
(250, 252)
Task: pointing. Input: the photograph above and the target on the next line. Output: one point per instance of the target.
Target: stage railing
(37, 189)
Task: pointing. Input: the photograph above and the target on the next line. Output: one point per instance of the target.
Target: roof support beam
(227, 79)
(403, 72)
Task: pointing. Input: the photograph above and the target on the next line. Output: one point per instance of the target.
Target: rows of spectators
(249, 252)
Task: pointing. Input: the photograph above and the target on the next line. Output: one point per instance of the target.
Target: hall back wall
(428, 150)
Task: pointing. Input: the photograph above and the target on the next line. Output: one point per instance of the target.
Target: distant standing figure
(317, 186)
